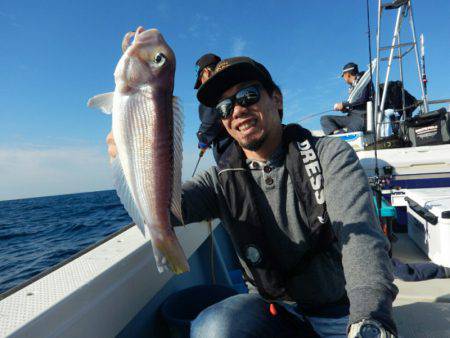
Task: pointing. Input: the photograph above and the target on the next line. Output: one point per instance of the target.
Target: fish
(147, 124)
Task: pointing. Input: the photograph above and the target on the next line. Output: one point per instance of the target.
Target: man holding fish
(299, 212)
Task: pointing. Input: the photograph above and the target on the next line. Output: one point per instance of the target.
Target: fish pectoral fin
(126, 197)
(175, 208)
(104, 102)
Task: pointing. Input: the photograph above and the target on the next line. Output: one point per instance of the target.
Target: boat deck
(79, 304)
(422, 309)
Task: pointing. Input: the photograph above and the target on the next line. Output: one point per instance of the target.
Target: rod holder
(369, 117)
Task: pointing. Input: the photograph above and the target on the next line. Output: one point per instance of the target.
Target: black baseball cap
(230, 72)
(205, 61)
(351, 66)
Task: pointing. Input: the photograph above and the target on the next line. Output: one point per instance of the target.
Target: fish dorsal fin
(104, 102)
(126, 197)
(177, 157)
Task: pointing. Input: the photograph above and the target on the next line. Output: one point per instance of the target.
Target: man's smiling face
(252, 127)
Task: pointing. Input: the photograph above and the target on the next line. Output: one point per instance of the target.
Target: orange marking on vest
(273, 310)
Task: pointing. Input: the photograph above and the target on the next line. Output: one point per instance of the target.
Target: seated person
(355, 119)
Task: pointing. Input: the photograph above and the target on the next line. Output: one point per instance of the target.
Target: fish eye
(159, 59)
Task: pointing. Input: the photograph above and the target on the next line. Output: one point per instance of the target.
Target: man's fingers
(112, 150)
(110, 138)
(338, 106)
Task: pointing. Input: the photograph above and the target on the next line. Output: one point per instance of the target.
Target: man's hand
(112, 150)
(338, 106)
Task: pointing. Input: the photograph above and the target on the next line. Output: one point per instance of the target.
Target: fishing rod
(418, 103)
(377, 183)
(202, 152)
(424, 74)
(307, 117)
(200, 155)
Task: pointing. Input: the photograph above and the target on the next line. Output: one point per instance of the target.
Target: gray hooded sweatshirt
(358, 265)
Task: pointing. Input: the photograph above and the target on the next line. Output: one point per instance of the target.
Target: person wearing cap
(300, 214)
(356, 110)
(211, 132)
(204, 68)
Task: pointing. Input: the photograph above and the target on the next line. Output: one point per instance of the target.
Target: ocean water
(37, 233)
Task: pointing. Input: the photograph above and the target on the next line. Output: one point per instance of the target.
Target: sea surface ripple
(37, 233)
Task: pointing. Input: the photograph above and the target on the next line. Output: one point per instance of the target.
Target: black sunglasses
(244, 97)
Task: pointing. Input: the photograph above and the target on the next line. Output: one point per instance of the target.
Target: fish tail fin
(168, 253)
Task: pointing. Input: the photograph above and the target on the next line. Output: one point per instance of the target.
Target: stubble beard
(254, 145)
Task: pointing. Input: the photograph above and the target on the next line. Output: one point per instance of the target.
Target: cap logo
(222, 65)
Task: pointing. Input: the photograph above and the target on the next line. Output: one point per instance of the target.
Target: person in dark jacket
(256, 191)
(356, 110)
(211, 132)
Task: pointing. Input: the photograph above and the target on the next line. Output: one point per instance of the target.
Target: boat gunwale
(55, 267)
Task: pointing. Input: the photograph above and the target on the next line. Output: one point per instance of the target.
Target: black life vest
(246, 229)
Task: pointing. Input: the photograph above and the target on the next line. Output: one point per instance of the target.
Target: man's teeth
(247, 125)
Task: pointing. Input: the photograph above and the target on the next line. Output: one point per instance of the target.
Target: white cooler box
(429, 222)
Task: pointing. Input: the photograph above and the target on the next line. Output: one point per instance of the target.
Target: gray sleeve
(199, 198)
(364, 248)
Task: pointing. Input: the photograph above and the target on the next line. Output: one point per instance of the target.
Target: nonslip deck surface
(422, 309)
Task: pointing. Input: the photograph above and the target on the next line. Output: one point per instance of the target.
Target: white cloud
(163, 9)
(237, 46)
(30, 171)
(11, 19)
(203, 27)
(37, 170)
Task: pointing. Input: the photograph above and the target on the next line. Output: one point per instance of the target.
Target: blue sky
(57, 54)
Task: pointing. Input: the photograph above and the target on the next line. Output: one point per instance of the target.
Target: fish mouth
(126, 40)
(146, 59)
(142, 36)
(150, 36)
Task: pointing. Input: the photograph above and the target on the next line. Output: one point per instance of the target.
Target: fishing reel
(375, 182)
(380, 182)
